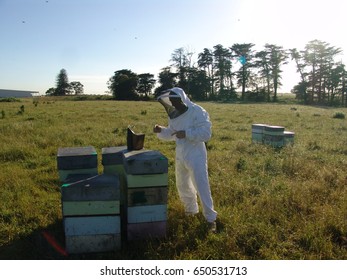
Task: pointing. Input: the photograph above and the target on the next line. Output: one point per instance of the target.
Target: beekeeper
(190, 126)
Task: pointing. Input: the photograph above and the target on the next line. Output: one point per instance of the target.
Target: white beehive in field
(258, 132)
(272, 135)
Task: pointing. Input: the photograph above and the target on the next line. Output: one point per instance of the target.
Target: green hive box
(77, 160)
(92, 234)
(65, 174)
(96, 195)
(147, 196)
(145, 162)
(146, 180)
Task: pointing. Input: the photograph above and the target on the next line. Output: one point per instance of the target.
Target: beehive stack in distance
(146, 174)
(272, 135)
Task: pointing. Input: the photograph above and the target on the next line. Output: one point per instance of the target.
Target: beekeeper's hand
(157, 129)
(179, 134)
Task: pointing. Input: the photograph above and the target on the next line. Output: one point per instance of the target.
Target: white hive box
(289, 138)
(274, 136)
(258, 133)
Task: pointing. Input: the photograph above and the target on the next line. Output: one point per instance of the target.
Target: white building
(16, 93)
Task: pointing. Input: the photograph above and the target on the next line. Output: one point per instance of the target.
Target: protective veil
(191, 154)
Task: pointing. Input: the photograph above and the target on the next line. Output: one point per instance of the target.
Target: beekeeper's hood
(167, 99)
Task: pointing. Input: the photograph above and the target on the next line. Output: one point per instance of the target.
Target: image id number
(231, 270)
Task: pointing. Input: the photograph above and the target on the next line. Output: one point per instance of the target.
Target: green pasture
(288, 203)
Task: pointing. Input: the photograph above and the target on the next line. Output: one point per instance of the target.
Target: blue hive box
(92, 234)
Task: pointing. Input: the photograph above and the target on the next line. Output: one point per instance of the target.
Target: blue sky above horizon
(92, 39)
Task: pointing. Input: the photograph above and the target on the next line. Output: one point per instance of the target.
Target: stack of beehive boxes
(112, 161)
(91, 211)
(129, 200)
(90, 204)
(146, 173)
(275, 136)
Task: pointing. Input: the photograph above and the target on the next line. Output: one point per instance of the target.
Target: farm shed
(16, 93)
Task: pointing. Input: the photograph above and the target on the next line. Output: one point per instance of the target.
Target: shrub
(9, 99)
(339, 115)
(21, 110)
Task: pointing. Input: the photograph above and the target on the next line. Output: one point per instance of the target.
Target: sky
(91, 39)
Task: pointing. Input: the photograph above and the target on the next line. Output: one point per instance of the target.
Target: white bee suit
(191, 156)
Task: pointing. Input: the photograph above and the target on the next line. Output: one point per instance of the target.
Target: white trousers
(192, 179)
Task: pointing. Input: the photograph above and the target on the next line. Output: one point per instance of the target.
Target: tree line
(63, 87)
(240, 73)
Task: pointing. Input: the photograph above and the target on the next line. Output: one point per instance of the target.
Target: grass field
(288, 203)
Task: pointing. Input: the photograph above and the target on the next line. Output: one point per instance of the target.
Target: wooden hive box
(145, 162)
(147, 213)
(289, 137)
(147, 196)
(274, 136)
(146, 180)
(112, 161)
(92, 234)
(258, 133)
(77, 160)
(97, 195)
(146, 230)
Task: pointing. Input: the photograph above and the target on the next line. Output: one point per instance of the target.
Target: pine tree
(62, 86)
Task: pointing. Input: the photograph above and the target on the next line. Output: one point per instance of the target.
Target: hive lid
(113, 155)
(259, 125)
(145, 162)
(274, 128)
(76, 151)
(143, 155)
(289, 133)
